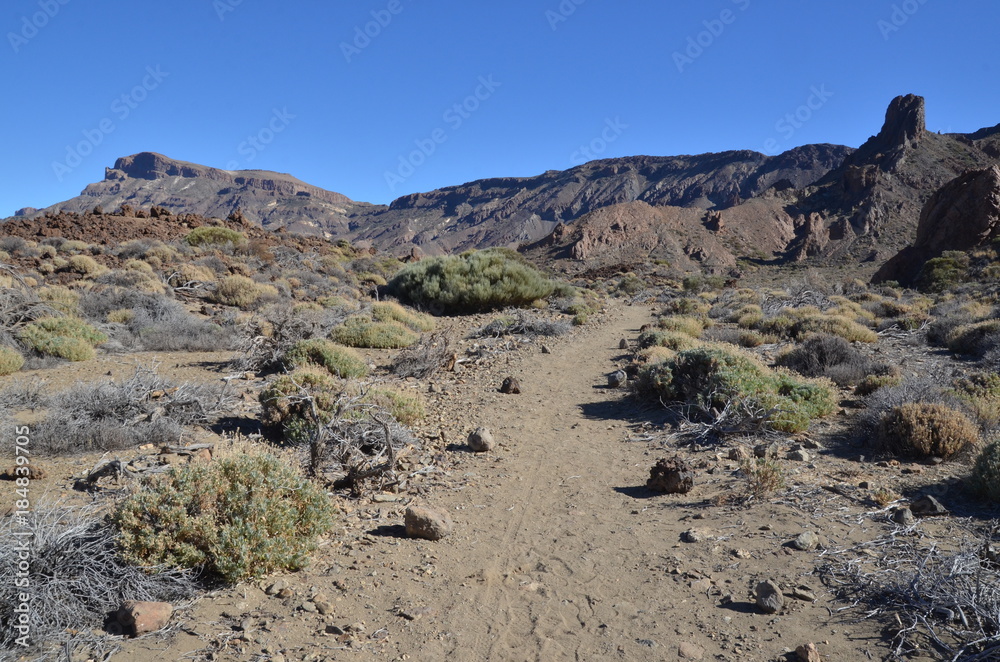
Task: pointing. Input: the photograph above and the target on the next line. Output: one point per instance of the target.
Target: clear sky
(379, 98)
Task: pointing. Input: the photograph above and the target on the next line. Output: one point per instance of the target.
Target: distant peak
(150, 165)
(905, 121)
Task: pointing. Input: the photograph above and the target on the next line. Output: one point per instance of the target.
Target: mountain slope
(268, 198)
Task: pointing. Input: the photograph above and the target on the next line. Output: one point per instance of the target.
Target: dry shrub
(824, 355)
(834, 325)
(215, 236)
(690, 326)
(522, 323)
(985, 478)
(763, 477)
(924, 430)
(872, 383)
(432, 353)
(77, 578)
(244, 292)
(975, 339)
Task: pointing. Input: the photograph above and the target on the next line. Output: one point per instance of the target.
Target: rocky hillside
(270, 199)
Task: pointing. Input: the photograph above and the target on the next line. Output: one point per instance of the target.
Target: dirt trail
(546, 544)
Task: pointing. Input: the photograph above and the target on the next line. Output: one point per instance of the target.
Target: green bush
(10, 360)
(389, 311)
(941, 273)
(339, 361)
(922, 430)
(363, 332)
(239, 518)
(985, 478)
(712, 378)
(471, 282)
(66, 337)
(214, 235)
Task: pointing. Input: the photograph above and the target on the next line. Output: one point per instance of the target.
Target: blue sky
(379, 98)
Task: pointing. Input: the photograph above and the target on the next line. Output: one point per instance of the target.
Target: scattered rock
(201, 455)
(623, 343)
(546, 349)
(510, 386)
(139, 618)
(673, 476)
(689, 651)
(416, 613)
(769, 597)
(693, 535)
(802, 593)
(426, 523)
(767, 451)
(799, 456)
(481, 440)
(806, 541)
(276, 587)
(617, 378)
(739, 453)
(34, 472)
(323, 607)
(808, 653)
(927, 506)
(903, 515)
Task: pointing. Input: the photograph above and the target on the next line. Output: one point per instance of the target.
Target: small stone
(510, 386)
(426, 523)
(623, 343)
(927, 506)
(799, 456)
(481, 440)
(806, 541)
(285, 593)
(802, 593)
(769, 597)
(617, 378)
(202, 455)
(142, 617)
(767, 451)
(689, 651)
(308, 607)
(323, 607)
(333, 629)
(739, 453)
(546, 349)
(416, 613)
(672, 476)
(903, 515)
(742, 553)
(811, 444)
(808, 653)
(693, 535)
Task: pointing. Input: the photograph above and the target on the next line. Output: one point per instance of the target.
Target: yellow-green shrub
(390, 311)
(10, 360)
(213, 235)
(240, 517)
(65, 337)
(985, 478)
(243, 292)
(340, 361)
(84, 265)
(363, 332)
(834, 325)
(61, 299)
(690, 326)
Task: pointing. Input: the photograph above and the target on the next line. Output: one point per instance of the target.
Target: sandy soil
(559, 550)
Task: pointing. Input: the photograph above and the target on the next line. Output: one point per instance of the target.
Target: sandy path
(544, 547)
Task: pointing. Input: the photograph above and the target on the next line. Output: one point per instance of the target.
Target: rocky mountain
(816, 202)
(270, 199)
